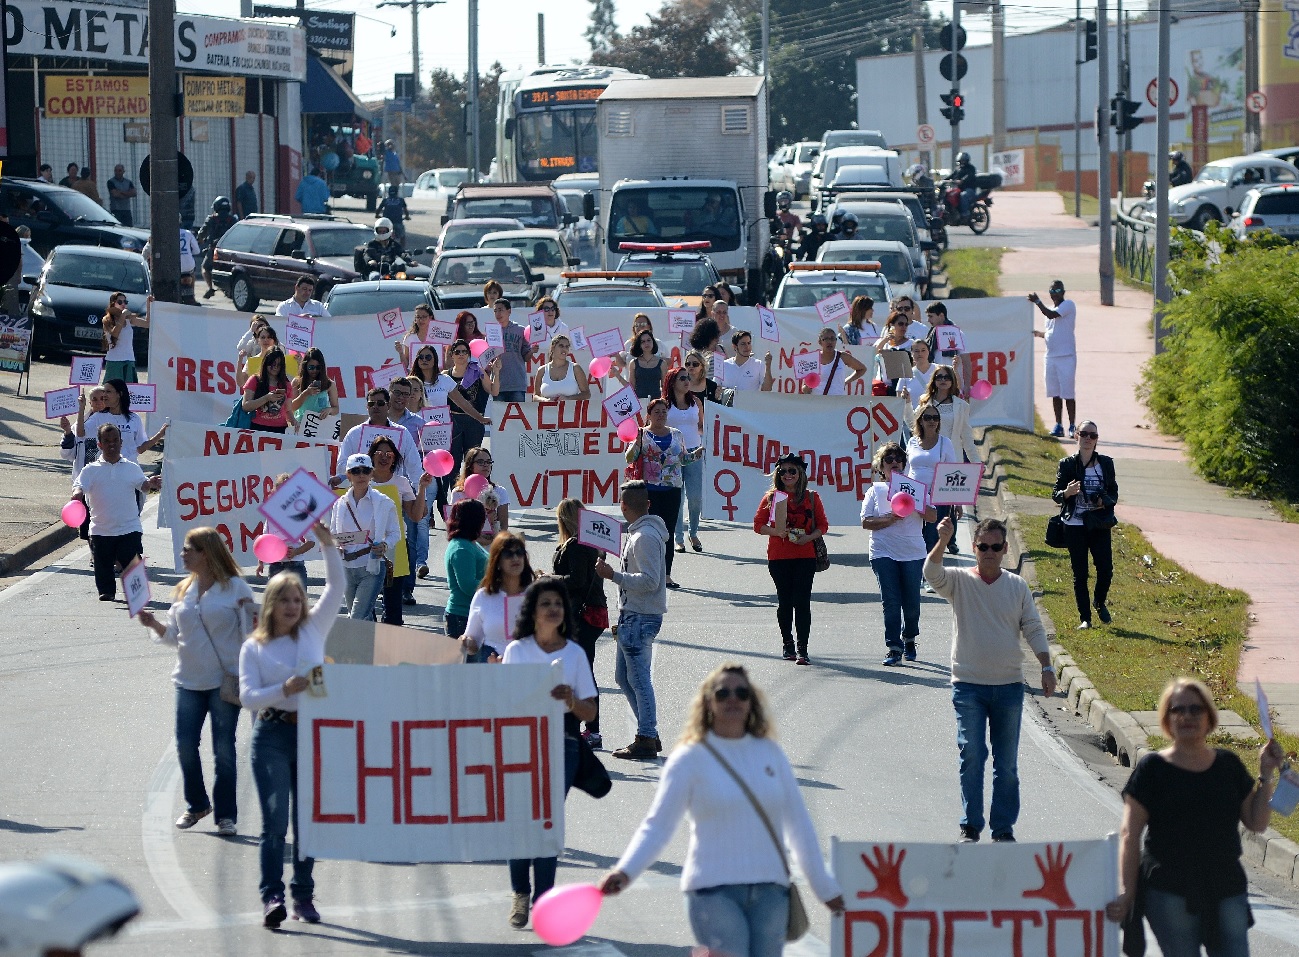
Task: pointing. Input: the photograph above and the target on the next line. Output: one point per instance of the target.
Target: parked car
(1220, 187)
(795, 173)
(597, 289)
(459, 277)
(59, 216)
(1269, 207)
(894, 259)
(262, 256)
(440, 185)
(679, 270)
(545, 250)
(465, 233)
(367, 297)
(806, 284)
(71, 296)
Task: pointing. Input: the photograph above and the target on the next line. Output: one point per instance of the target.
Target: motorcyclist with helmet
(214, 227)
(964, 177)
(383, 250)
(847, 227)
(1181, 173)
(923, 184)
(55, 907)
(814, 238)
(789, 222)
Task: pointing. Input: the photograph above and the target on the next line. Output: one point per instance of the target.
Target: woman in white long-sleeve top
(205, 626)
(736, 879)
(274, 665)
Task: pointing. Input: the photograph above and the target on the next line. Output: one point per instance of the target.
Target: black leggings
(1081, 540)
(793, 580)
(666, 504)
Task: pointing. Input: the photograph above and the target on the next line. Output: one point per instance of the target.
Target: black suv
(262, 256)
(57, 215)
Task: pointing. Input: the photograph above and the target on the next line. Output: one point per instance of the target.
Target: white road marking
(158, 837)
(1071, 764)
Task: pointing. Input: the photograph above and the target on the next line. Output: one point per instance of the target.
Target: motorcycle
(187, 296)
(979, 219)
(394, 269)
(775, 263)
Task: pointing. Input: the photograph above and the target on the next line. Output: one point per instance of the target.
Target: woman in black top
(700, 384)
(1086, 490)
(1188, 799)
(574, 565)
(477, 386)
(648, 369)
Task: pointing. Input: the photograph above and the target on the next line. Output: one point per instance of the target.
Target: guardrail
(1134, 247)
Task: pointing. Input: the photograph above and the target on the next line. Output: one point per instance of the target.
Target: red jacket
(806, 514)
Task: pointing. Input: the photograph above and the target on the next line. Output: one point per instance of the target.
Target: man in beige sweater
(991, 608)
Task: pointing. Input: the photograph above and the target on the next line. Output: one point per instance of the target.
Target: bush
(1226, 382)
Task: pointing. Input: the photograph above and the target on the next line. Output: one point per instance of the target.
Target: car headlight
(130, 244)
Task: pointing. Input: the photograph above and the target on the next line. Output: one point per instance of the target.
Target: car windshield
(85, 270)
(537, 211)
(541, 252)
(476, 270)
(795, 295)
(807, 153)
(344, 301)
(341, 241)
(77, 206)
(896, 266)
(596, 298)
(451, 178)
(1213, 174)
(679, 214)
(1278, 204)
(675, 278)
(572, 201)
(893, 229)
(455, 236)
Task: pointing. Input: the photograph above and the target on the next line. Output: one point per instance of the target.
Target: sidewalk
(1232, 541)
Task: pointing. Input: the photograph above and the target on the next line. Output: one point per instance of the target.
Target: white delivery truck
(684, 160)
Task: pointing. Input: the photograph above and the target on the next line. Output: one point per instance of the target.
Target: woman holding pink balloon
(746, 812)
(476, 482)
(838, 370)
(897, 552)
(560, 377)
(660, 452)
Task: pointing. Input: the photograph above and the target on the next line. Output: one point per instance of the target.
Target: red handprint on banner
(1053, 887)
(887, 870)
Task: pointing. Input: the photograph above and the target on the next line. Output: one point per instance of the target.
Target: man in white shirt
(301, 303)
(745, 373)
(1061, 353)
(370, 518)
(377, 404)
(107, 488)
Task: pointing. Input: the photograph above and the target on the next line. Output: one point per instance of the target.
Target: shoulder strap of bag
(198, 607)
(766, 821)
(834, 367)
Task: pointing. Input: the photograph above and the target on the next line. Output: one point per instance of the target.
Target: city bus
(546, 121)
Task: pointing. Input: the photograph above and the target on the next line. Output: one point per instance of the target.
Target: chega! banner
(989, 900)
(427, 763)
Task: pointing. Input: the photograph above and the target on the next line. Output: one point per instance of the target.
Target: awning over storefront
(325, 92)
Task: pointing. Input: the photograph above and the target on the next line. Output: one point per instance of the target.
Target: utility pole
(541, 39)
(475, 152)
(414, 31)
(1120, 90)
(164, 198)
(1103, 188)
(1161, 178)
(918, 57)
(1077, 110)
(1253, 127)
(998, 77)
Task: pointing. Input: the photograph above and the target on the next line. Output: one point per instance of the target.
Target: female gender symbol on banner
(730, 508)
(849, 421)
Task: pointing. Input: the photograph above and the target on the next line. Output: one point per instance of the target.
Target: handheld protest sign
(599, 531)
(297, 505)
(607, 343)
(85, 370)
(144, 397)
(385, 375)
(135, 585)
(493, 335)
(299, 333)
(833, 307)
(391, 322)
(949, 339)
(61, 402)
(622, 405)
(956, 483)
(806, 364)
(578, 338)
(537, 328)
(767, 327)
(681, 321)
(434, 436)
(918, 490)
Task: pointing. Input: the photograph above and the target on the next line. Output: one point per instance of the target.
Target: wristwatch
(1050, 668)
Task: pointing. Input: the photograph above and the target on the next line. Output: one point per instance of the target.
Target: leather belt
(275, 714)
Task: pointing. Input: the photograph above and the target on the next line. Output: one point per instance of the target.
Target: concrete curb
(36, 547)
(1121, 732)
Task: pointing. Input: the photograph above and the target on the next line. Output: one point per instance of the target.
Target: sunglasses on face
(943, 378)
(459, 352)
(513, 553)
(1089, 435)
(426, 357)
(724, 694)
(312, 366)
(360, 470)
(994, 546)
(896, 459)
(930, 417)
(377, 403)
(120, 301)
(792, 470)
(694, 365)
(1190, 710)
(683, 378)
(549, 309)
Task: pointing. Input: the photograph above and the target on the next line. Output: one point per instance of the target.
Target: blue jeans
(989, 713)
(417, 540)
(362, 589)
(740, 920)
(692, 478)
(900, 595)
(631, 671)
(541, 870)
(930, 529)
(192, 709)
(275, 769)
(1178, 931)
(967, 200)
(511, 395)
(298, 568)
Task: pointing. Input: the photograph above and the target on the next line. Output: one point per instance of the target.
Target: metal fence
(1134, 247)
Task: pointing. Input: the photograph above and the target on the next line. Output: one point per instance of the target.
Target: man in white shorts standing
(1061, 352)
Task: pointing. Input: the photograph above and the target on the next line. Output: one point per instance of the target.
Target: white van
(829, 163)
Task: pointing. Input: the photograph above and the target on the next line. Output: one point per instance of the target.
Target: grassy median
(972, 273)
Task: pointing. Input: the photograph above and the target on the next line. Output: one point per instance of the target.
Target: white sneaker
(226, 827)
(190, 818)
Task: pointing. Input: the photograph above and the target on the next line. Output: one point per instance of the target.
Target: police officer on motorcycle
(965, 176)
(815, 238)
(1181, 172)
(213, 228)
(383, 250)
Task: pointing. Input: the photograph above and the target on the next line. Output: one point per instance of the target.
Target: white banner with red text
(432, 763)
(976, 900)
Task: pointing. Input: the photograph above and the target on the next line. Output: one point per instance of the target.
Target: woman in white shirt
(560, 377)
(735, 878)
(922, 370)
(926, 448)
(895, 339)
(275, 666)
(897, 555)
(120, 324)
(686, 415)
(495, 604)
(945, 392)
(545, 622)
(838, 369)
(479, 462)
(117, 411)
(205, 626)
(369, 519)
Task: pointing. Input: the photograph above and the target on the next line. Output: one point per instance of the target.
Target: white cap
(359, 460)
(59, 904)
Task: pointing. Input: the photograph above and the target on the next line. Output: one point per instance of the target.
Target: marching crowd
(726, 772)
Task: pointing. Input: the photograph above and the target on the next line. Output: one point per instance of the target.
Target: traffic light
(955, 108)
(1122, 114)
(1090, 41)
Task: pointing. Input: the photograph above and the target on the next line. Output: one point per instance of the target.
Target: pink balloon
(981, 389)
(527, 333)
(73, 514)
(477, 347)
(628, 429)
(270, 548)
(439, 462)
(474, 485)
(902, 504)
(563, 914)
(599, 368)
(812, 380)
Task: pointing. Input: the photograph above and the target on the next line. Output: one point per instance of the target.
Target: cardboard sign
(833, 307)
(805, 363)
(434, 436)
(607, 343)
(599, 531)
(776, 501)
(917, 489)
(85, 370)
(473, 759)
(512, 607)
(297, 505)
(1264, 712)
(494, 336)
(767, 327)
(436, 414)
(355, 642)
(577, 338)
(61, 402)
(391, 322)
(538, 331)
(384, 376)
(441, 333)
(299, 333)
(144, 397)
(949, 339)
(371, 432)
(135, 586)
(622, 405)
(681, 321)
(956, 483)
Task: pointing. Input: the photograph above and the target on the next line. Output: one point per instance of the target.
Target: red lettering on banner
(1017, 918)
(997, 366)
(591, 443)
(205, 375)
(223, 495)
(514, 412)
(950, 917)
(364, 772)
(336, 376)
(457, 773)
(318, 815)
(549, 487)
(930, 919)
(412, 772)
(364, 379)
(248, 535)
(531, 767)
(1056, 917)
(881, 923)
(185, 374)
(525, 501)
(593, 489)
(544, 733)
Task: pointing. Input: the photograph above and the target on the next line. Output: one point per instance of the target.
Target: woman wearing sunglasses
(478, 461)
(733, 780)
(926, 448)
(1087, 491)
(119, 325)
(314, 392)
(895, 339)
(489, 626)
(792, 517)
(839, 370)
(696, 365)
(268, 339)
(268, 395)
(897, 555)
(1189, 800)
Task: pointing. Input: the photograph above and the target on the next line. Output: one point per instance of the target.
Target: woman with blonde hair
(561, 377)
(205, 626)
(926, 448)
(275, 666)
(736, 784)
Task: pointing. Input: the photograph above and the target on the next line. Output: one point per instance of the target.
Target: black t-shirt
(1192, 844)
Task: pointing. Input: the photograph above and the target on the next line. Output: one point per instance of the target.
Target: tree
(685, 38)
(602, 32)
(435, 130)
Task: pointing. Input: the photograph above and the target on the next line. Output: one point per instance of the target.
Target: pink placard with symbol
(391, 323)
